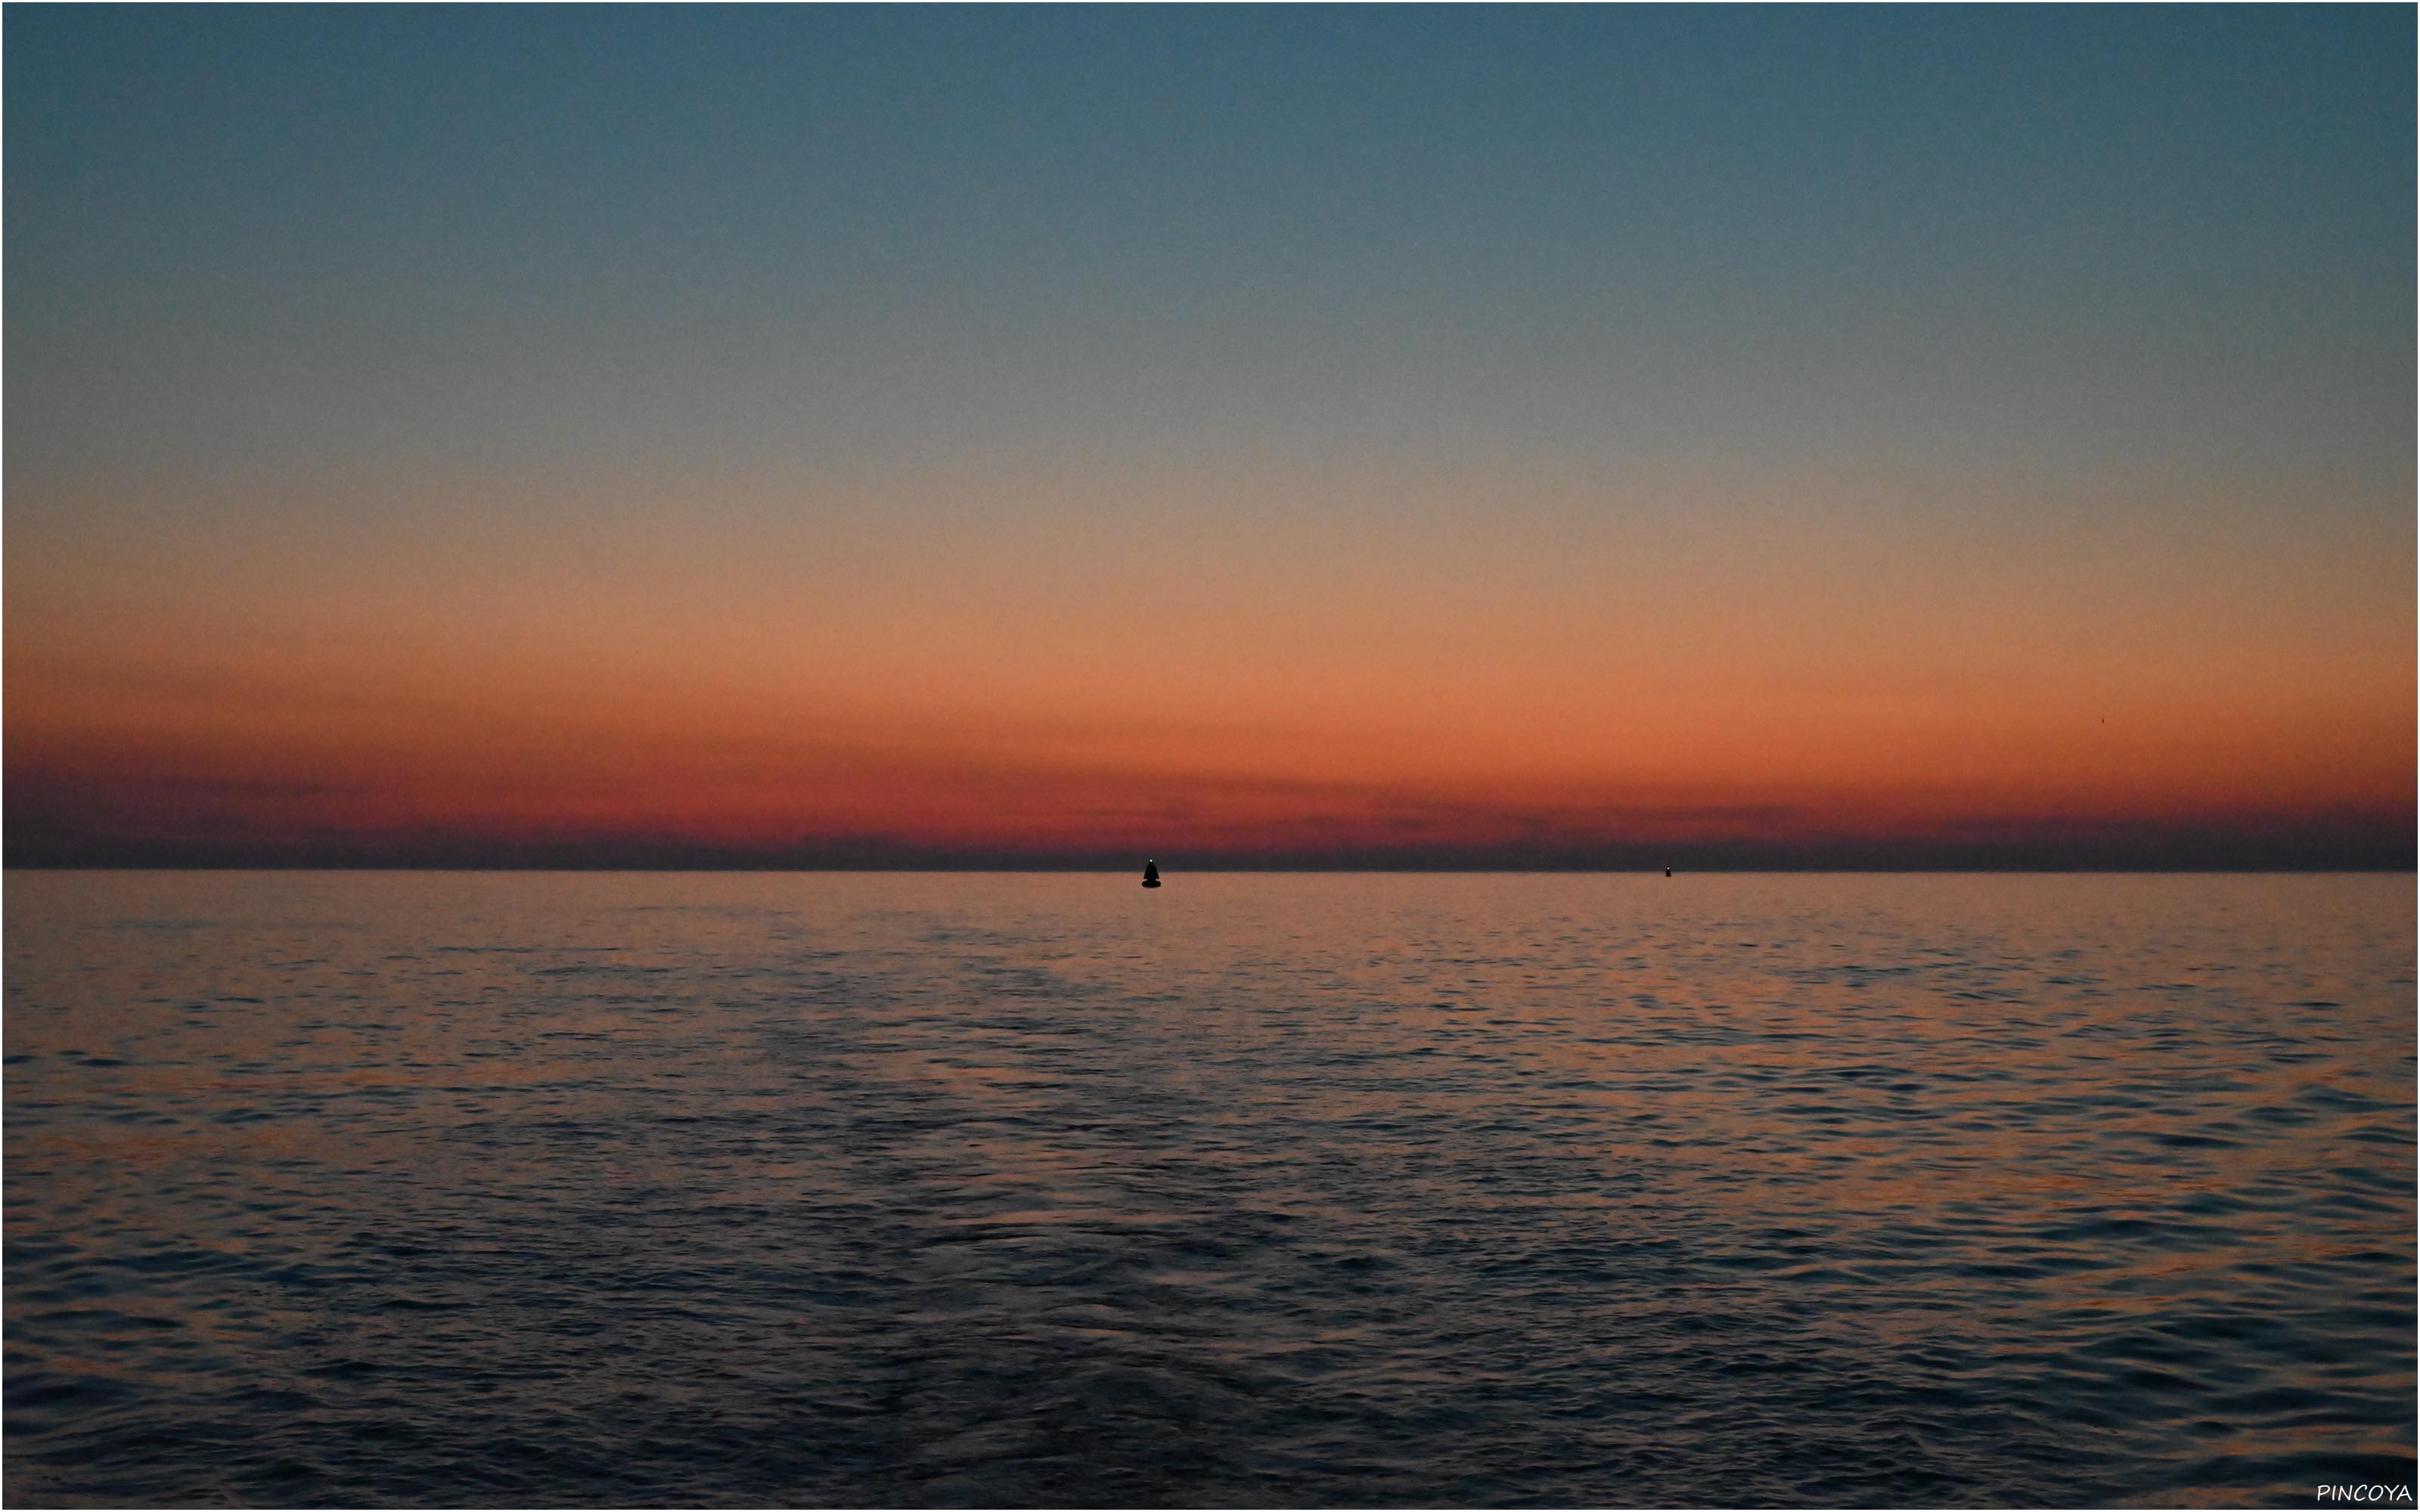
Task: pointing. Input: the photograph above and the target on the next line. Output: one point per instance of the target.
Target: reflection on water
(497, 1190)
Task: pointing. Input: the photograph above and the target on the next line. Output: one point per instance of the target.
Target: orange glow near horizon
(1359, 672)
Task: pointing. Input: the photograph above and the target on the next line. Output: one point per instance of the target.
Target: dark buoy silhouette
(1667, 871)
(1151, 874)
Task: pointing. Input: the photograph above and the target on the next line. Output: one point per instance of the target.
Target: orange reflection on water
(2103, 1159)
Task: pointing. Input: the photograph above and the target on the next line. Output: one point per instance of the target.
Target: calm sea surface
(502, 1190)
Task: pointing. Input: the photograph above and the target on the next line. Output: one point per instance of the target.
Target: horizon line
(978, 869)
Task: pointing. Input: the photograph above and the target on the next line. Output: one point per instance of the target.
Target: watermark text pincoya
(2367, 1495)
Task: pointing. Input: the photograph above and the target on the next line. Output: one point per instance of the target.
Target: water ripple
(1338, 1191)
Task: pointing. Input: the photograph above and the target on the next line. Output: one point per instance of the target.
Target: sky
(1329, 437)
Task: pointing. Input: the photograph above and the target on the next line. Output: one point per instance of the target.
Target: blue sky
(2129, 234)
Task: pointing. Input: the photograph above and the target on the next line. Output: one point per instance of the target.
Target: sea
(345, 1189)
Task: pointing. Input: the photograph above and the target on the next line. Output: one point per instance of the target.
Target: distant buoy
(1151, 874)
(1667, 871)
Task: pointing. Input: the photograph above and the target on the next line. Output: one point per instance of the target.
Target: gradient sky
(1568, 436)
